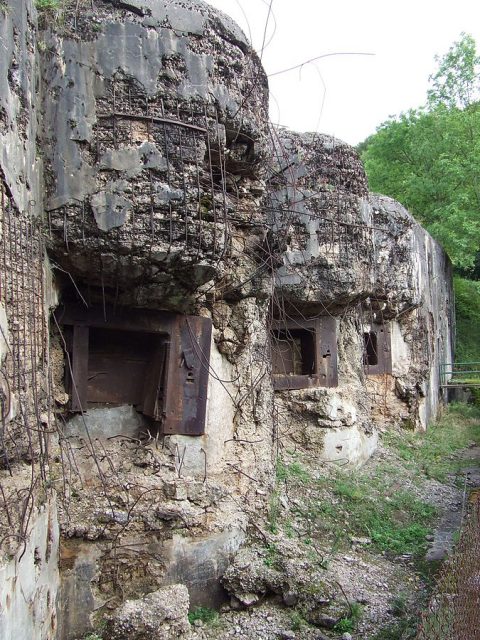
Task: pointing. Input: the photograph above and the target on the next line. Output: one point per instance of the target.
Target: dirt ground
(289, 583)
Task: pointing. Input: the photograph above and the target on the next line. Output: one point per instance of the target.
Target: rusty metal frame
(186, 371)
(384, 350)
(186, 220)
(324, 330)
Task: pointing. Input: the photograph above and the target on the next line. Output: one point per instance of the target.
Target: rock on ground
(161, 615)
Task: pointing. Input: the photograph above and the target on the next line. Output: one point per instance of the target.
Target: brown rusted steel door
(327, 367)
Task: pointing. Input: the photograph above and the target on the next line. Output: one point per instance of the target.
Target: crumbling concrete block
(161, 615)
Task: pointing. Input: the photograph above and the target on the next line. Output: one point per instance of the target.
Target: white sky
(349, 96)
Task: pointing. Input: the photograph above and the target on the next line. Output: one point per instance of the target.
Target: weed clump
(204, 614)
(350, 622)
(47, 5)
(297, 621)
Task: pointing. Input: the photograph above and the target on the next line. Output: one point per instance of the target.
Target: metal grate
(178, 200)
(24, 374)
(460, 374)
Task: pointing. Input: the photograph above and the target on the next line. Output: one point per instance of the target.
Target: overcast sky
(349, 96)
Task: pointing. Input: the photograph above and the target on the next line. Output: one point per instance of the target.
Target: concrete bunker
(165, 210)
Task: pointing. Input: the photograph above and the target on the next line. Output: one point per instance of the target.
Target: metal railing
(460, 374)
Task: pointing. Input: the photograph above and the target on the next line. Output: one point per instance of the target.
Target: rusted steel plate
(327, 357)
(188, 373)
(117, 365)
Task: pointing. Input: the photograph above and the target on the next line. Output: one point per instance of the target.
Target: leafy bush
(467, 303)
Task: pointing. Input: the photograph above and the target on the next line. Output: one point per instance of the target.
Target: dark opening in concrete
(370, 352)
(304, 352)
(293, 352)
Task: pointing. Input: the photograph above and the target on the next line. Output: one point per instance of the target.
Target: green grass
(274, 511)
(379, 507)
(47, 5)
(404, 629)
(435, 451)
(271, 557)
(395, 521)
(379, 503)
(350, 622)
(294, 472)
(206, 615)
(392, 518)
(297, 621)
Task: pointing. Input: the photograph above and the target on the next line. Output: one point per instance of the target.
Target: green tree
(456, 82)
(467, 299)
(429, 158)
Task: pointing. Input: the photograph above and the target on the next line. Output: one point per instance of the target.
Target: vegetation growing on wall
(429, 160)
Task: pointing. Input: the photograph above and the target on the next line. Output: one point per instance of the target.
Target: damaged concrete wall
(362, 259)
(164, 133)
(29, 580)
(28, 524)
(155, 189)
(414, 298)
(323, 227)
(168, 201)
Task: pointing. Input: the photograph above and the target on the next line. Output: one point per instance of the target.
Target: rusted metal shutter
(327, 359)
(318, 335)
(283, 361)
(187, 376)
(118, 363)
(157, 361)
